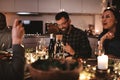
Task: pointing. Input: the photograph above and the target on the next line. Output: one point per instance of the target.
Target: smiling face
(108, 20)
(63, 24)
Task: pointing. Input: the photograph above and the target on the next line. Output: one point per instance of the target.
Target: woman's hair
(3, 20)
(116, 13)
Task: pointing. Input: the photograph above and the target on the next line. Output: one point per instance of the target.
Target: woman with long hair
(110, 37)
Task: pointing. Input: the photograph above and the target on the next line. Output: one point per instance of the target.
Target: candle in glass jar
(102, 62)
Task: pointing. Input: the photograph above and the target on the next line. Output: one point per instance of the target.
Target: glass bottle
(51, 47)
(58, 49)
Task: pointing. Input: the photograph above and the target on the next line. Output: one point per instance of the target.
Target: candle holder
(102, 71)
(102, 74)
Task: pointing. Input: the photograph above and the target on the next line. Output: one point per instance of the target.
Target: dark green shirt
(78, 40)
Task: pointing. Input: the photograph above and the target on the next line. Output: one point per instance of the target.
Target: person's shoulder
(78, 29)
(79, 32)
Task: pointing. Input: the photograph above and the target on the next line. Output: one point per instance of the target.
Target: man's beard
(64, 30)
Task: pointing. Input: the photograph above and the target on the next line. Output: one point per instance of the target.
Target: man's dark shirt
(78, 40)
(14, 69)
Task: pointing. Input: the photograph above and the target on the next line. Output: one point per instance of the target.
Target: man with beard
(75, 40)
(5, 34)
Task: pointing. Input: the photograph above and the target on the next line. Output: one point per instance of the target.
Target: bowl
(51, 70)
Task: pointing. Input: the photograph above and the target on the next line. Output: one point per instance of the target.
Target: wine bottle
(58, 49)
(51, 47)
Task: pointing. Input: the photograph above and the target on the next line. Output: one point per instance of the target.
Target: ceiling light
(27, 13)
(23, 13)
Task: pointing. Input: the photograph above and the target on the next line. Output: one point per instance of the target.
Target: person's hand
(69, 49)
(108, 35)
(17, 32)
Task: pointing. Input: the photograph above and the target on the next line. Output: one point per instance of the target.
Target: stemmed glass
(98, 52)
(30, 57)
(41, 48)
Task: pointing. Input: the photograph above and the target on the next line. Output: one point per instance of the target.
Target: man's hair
(62, 14)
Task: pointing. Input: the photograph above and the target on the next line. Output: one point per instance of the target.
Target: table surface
(86, 66)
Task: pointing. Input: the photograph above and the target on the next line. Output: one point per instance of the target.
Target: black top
(112, 46)
(14, 69)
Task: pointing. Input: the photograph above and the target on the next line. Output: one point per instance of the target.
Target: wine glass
(41, 48)
(30, 57)
(98, 52)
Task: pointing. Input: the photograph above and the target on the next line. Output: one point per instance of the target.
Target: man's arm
(18, 51)
(14, 70)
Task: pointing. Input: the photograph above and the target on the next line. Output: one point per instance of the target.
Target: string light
(108, 5)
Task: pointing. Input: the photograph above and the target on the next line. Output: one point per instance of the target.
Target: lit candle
(32, 58)
(84, 75)
(102, 62)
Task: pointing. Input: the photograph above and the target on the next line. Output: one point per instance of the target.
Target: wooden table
(53, 73)
(87, 66)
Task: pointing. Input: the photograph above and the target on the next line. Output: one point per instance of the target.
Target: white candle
(102, 62)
